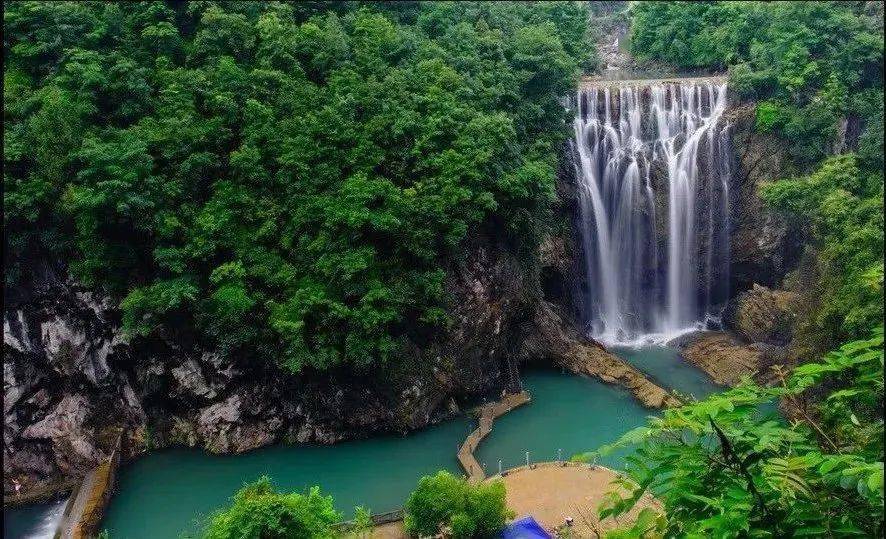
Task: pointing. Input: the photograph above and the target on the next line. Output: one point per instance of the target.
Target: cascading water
(631, 146)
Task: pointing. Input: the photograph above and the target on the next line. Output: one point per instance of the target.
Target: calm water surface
(668, 369)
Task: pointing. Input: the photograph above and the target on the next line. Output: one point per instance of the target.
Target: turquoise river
(166, 493)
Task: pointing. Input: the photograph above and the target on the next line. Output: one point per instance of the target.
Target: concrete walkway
(552, 491)
(487, 415)
(86, 508)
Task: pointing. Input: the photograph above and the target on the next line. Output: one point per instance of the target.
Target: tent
(525, 528)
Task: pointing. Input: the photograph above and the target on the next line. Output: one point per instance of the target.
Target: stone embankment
(597, 82)
(88, 502)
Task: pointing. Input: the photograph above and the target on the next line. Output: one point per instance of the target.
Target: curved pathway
(487, 415)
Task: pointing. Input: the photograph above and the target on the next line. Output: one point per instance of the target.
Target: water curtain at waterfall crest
(653, 169)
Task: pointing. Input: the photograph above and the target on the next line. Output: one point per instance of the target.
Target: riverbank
(568, 412)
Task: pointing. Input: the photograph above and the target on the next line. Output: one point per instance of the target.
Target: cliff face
(765, 301)
(764, 247)
(71, 379)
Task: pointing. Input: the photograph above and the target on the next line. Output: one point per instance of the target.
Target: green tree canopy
(443, 500)
(284, 180)
(258, 511)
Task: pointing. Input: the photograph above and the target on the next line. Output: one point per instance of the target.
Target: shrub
(767, 116)
(468, 510)
(259, 512)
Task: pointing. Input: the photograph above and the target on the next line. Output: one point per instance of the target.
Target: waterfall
(47, 526)
(651, 159)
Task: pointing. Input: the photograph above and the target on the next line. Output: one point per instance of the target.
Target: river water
(166, 493)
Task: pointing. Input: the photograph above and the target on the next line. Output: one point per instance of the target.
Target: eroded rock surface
(557, 342)
(762, 315)
(71, 379)
(764, 246)
(723, 357)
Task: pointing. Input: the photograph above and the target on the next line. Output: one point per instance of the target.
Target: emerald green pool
(666, 367)
(165, 494)
(569, 413)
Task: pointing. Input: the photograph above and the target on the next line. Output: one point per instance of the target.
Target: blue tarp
(525, 528)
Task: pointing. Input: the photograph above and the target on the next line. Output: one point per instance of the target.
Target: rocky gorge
(72, 379)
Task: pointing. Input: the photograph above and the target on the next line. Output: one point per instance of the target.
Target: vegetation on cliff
(810, 63)
(722, 466)
(280, 180)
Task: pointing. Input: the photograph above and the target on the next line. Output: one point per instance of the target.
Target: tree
(724, 467)
(443, 500)
(258, 511)
(336, 154)
(808, 59)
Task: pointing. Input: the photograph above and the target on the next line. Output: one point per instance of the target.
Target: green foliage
(648, 525)
(768, 116)
(259, 512)
(362, 522)
(810, 66)
(842, 207)
(443, 500)
(284, 180)
(724, 468)
(808, 59)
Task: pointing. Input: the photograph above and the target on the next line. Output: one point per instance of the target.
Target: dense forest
(281, 180)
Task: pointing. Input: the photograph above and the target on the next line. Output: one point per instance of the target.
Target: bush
(767, 116)
(259, 512)
(468, 510)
